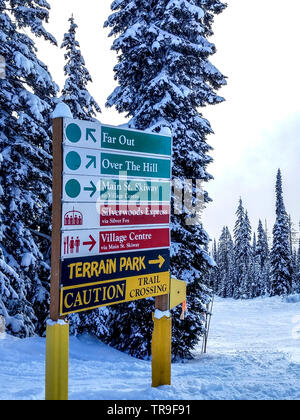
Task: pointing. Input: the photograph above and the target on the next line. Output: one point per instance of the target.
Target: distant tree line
(251, 265)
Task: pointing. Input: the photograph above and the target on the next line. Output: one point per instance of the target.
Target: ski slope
(253, 353)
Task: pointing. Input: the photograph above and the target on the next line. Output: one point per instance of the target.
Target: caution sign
(95, 295)
(114, 266)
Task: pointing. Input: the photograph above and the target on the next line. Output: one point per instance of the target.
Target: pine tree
(254, 269)
(298, 270)
(164, 77)
(293, 252)
(281, 265)
(225, 264)
(75, 93)
(247, 285)
(242, 254)
(262, 258)
(26, 99)
(292, 234)
(214, 272)
(238, 241)
(294, 272)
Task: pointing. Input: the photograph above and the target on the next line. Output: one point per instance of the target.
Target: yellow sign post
(162, 333)
(57, 361)
(161, 350)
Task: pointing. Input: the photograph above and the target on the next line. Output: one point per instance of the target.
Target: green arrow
(93, 161)
(93, 189)
(89, 134)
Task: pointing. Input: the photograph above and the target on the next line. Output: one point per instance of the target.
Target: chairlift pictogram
(73, 218)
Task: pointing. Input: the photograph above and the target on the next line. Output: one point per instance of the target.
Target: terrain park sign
(114, 215)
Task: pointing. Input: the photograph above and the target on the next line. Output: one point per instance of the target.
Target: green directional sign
(135, 166)
(135, 141)
(93, 135)
(81, 161)
(94, 189)
(82, 133)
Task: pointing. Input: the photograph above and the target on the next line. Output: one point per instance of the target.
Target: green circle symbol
(73, 188)
(73, 133)
(73, 161)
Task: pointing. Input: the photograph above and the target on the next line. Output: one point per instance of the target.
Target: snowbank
(253, 353)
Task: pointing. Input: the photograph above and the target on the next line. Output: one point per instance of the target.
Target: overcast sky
(257, 129)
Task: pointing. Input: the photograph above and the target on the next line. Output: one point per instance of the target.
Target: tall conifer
(164, 77)
(75, 93)
(281, 264)
(26, 100)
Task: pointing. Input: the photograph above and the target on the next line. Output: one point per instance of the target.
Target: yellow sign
(94, 295)
(177, 293)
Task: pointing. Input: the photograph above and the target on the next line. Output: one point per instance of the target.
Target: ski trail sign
(96, 215)
(84, 243)
(93, 135)
(91, 162)
(83, 189)
(111, 215)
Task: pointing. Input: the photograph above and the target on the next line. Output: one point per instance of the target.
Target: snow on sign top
(93, 135)
(62, 111)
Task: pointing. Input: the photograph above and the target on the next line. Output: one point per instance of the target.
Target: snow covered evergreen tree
(262, 258)
(246, 258)
(281, 264)
(26, 99)
(238, 241)
(293, 253)
(75, 93)
(213, 274)
(242, 254)
(298, 269)
(225, 264)
(164, 76)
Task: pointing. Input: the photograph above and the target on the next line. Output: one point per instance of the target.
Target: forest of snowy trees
(252, 264)
(164, 79)
(28, 96)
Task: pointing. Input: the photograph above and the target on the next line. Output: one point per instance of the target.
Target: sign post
(110, 234)
(57, 334)
(161, 343)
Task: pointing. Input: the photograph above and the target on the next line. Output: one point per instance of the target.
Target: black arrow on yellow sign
(159, 261)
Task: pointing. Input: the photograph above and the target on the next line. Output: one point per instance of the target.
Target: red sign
(131, 214)
(73, 218)
(126, 240)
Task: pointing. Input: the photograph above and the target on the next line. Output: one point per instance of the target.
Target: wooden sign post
(57, 334)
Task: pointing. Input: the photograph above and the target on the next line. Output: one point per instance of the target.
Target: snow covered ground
(253, 353)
